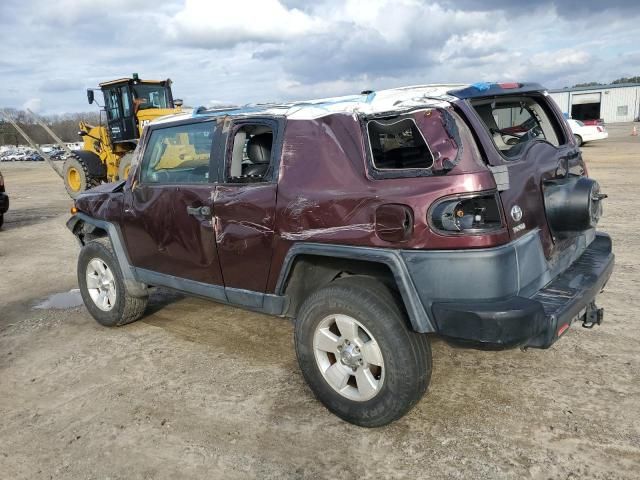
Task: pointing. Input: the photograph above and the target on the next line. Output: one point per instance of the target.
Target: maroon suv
(374, 220)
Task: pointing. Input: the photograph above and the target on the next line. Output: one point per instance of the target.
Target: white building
(612, 103)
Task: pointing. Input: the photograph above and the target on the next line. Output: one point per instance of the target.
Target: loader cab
(125, 99)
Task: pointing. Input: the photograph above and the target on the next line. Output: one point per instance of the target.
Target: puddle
(62, 301)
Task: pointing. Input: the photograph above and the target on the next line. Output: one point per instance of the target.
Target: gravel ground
(201, 390)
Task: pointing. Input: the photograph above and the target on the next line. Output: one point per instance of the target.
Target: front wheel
(102, 286)
(357, 353)
(76, 176)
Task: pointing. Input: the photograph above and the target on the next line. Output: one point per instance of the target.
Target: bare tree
(64, 125)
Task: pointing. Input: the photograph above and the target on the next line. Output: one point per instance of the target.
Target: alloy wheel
(348, 357)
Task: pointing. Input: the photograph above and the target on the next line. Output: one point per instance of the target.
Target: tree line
(64, 125)
(635, 79)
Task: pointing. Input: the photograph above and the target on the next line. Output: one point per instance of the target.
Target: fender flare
(418, 315)
(79, 220)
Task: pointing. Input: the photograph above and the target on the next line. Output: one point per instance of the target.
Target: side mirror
(90, 96)
(178, 102)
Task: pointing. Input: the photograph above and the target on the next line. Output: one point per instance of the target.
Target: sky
(243, 51)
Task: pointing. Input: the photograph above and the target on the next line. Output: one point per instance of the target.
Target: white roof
(395, 99)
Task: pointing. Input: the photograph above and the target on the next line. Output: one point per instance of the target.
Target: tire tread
(133, 307)
(379, 297)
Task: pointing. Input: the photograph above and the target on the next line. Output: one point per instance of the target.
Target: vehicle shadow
(161, 298)
(24, 217)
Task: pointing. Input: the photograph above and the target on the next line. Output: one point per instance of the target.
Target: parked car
(34, 157)
(375, 221)
(58, 155)
(4, 200)
(587, 133)
(596, 122)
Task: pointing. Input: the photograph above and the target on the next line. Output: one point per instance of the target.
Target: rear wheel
(578, 140)
(102, 286)
(76, 176)
(357, 353)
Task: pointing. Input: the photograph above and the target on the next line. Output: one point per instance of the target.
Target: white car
(586, 133)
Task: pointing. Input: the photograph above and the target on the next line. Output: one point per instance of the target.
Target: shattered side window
(514, 122)
(398, 144)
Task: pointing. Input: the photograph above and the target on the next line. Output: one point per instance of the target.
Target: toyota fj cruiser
(373, 220)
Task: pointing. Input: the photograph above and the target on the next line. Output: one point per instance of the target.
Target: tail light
(467, 215)
(509, 85)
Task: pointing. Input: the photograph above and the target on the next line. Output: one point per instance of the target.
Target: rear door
(168, 214)
(245, 204)
(530, 144)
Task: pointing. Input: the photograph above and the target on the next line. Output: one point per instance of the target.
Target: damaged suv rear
(375, 221)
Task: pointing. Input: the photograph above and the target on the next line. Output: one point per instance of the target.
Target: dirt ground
(201, 390)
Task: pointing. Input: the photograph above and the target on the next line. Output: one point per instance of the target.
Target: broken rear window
(514, 122)
(398, 144)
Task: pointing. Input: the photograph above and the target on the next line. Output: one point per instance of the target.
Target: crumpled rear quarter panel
(326, 196)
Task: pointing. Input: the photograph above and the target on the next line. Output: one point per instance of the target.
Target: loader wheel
(76, 177)
(125, 166)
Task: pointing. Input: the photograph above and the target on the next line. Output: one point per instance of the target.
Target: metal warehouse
(612, 103)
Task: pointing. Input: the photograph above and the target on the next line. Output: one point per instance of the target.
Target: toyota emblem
(516, 213)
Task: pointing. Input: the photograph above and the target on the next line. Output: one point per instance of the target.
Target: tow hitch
(593, 316)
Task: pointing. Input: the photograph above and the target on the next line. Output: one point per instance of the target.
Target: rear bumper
(537, 320)
(4, 202)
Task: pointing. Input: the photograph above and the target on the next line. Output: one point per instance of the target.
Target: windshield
(150, 96)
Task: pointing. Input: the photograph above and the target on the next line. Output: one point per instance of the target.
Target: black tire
(126, 308)
(406, 354)
(86, 181)
(578, 140)
(1, 219)
(124, 165)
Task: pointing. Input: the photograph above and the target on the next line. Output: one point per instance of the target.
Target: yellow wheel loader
(129, 104)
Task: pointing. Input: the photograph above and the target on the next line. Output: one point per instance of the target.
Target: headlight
(469, 214)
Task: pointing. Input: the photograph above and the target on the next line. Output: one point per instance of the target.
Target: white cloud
(560, 60)
(207, 24)
(473, 44)
(252, 51)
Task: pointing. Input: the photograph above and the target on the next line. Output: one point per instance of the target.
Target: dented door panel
(244, 222)
(163, 237)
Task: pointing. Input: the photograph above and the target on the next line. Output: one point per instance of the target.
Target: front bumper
(4, 202)
(536, 320)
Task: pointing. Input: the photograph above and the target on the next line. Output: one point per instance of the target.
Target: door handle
(203, 211)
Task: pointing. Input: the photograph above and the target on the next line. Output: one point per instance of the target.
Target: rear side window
(513, 122)
(249, 159)
(398, 144)
(178, 154)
